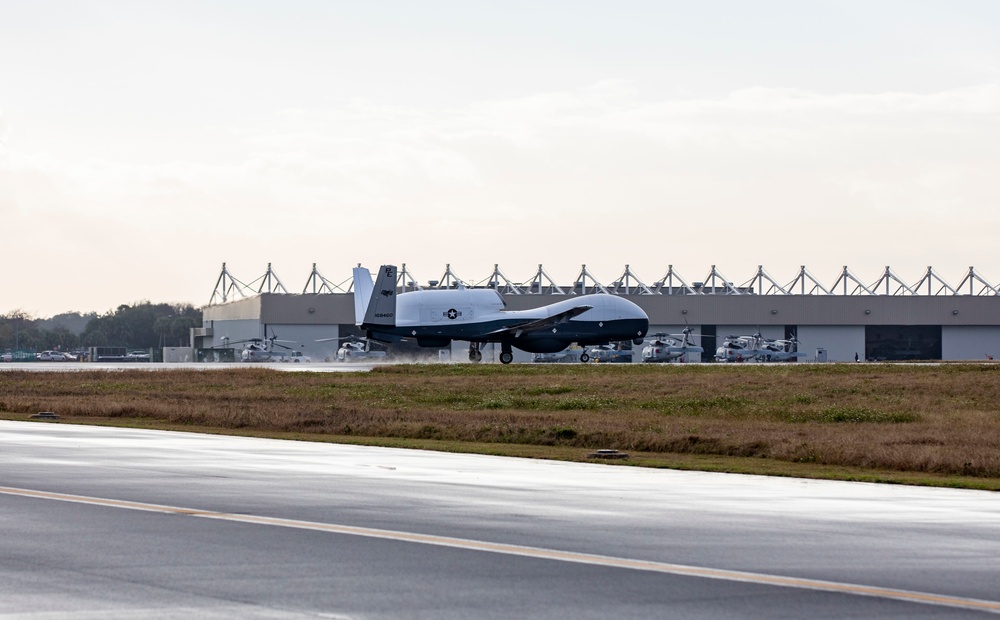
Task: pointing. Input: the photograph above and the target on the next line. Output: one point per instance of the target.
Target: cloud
(583, 174)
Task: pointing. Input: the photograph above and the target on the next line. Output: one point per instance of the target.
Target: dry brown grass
(927, 419)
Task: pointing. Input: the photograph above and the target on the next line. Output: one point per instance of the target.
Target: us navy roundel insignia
(452, 313)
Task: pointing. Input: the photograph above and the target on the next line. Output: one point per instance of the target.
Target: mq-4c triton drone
(436, 317)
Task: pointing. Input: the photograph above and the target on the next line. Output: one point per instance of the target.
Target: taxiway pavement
(108, 523)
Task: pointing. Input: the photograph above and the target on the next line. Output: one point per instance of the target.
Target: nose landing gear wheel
(584, 358)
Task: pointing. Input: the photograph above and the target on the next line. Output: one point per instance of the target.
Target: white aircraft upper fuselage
(436, 317)
(479, 315)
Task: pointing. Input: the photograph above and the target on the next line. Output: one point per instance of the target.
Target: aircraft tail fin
(362, 293)
(380, 302)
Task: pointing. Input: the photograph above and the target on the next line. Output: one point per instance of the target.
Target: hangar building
(885, 320)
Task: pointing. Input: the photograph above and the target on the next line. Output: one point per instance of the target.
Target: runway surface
(121, 523)
(157, 366)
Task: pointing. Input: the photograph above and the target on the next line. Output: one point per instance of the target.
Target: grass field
(914, 424)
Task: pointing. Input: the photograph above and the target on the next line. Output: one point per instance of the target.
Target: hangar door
(902, 342)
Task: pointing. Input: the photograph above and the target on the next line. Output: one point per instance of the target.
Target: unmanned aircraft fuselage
(436, 317)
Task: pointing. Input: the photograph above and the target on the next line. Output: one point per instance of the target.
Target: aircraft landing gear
(506, 355)
(584, 357)
(475, 355)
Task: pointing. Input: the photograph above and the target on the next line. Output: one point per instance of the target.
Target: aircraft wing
(545, 323)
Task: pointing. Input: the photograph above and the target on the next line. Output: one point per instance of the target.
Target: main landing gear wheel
(475, 355)
(584, 358)
(506, 353)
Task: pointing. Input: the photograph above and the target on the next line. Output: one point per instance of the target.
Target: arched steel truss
(227, 287)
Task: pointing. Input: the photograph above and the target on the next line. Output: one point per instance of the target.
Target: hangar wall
(970, 324)
(840, 341)
(233, 330)
(970, 343)
(767, 331)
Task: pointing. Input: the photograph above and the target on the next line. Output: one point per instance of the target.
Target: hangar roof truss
(628, 283)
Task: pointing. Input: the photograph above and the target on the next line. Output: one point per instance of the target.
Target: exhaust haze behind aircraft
(436, 317)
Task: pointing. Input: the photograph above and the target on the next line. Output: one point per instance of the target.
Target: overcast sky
(143, 144)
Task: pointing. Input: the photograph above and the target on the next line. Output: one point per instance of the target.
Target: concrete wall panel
(970, 343)
(841, 342)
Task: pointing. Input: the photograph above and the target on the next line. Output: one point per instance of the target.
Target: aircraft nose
(632, 312)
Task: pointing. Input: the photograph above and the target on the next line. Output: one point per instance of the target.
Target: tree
(143, 326)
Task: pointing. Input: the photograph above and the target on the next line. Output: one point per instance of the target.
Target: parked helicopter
(355, 349)
(261, 349)
(436, 317)
(667, 347)
(781, 350)
(739, 348)
(757, 348)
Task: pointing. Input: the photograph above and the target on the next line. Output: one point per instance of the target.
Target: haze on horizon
(144, 144)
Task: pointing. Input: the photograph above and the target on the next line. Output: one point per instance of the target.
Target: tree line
(144, 325)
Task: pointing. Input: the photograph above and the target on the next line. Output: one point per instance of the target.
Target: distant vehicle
(7, 357)
(608, 354)
(670, 347)
(296, 357)
(137, 356)
(55, 356)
